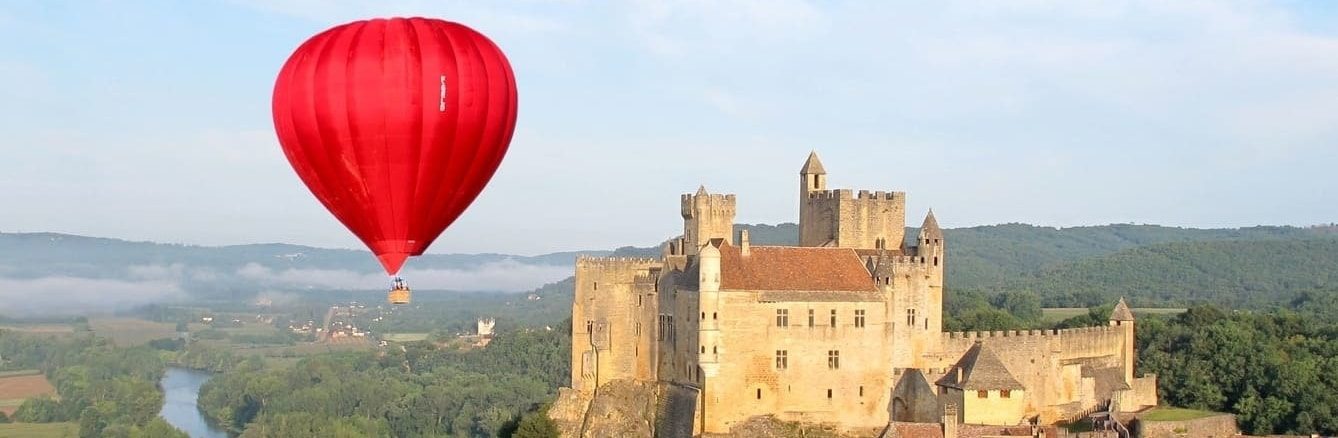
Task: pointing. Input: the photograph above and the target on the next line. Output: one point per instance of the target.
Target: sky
(150, 120)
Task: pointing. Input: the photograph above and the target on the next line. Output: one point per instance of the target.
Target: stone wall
(612, 313)
(1217, 426)
(854, 391)
(1051, 364)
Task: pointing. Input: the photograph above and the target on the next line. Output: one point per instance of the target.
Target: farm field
(129, 332)
(404, 337)
(1056, 314)
(39, 430)
(14, 389)
(40, 329)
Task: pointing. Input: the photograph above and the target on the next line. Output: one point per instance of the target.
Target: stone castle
(844, 330)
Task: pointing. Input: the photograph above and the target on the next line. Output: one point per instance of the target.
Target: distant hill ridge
(1074, 266)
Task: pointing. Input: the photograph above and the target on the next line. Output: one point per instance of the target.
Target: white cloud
(503, 276)
(484, 17)
(71, 295)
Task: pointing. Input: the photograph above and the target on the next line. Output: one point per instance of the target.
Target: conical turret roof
(930, 227)
(1121, 312)
(813, 166)
(884, 267)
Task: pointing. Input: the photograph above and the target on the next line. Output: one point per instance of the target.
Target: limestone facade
(844, 329)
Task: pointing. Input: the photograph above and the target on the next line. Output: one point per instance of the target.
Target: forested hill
(43, 254)
(1076, 266)
(1232, 273)
(989, 256)
(1153, 265)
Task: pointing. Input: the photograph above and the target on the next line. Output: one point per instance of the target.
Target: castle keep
(844, 329)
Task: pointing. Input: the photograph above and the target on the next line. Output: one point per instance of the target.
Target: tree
(40, 409)
(536, 425)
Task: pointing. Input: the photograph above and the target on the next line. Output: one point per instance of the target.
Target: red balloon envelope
(396, 125)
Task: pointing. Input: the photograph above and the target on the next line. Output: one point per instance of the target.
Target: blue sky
(149, 120)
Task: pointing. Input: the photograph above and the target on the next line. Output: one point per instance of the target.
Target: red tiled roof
(789, 268)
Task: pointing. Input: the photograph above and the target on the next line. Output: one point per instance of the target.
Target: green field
(39, 430)
(17, 373)
(128, 332)
(404, 337)
(1174, 414)
(40, 329)
(1056, 314)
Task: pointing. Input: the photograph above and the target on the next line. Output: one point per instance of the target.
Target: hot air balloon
(396, 125)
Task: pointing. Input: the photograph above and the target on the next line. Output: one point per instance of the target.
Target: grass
(39, 430)
(1084, 425)
(1057, 314)
(40, 329)
(19, 373)
(405, 337)
(1174, 414)
(128, 332)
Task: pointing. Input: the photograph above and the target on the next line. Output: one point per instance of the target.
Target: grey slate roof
(981, 370)
(884, 267)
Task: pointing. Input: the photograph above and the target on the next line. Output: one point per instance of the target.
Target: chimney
(743, 242)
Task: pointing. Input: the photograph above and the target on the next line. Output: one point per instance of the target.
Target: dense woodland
(108, 391)
(411, 392)
(1277, 370)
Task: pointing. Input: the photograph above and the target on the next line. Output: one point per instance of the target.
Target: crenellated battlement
(715, 203)
(599, 261)
(644, 279)
(848, 194)
(1030, 333)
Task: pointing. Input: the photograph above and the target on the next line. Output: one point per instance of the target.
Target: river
(181, 387)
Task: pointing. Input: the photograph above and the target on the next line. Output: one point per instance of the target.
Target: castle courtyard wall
(1049, 363)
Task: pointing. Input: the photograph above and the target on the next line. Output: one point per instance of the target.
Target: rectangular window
(861, 390)
(829, 393)
(810, 317)
(782, 359)
(833, 359)
(833, 322)
(982, 394)
(782, 317)
(859, 318)
(1004, 393)
(910, 317)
